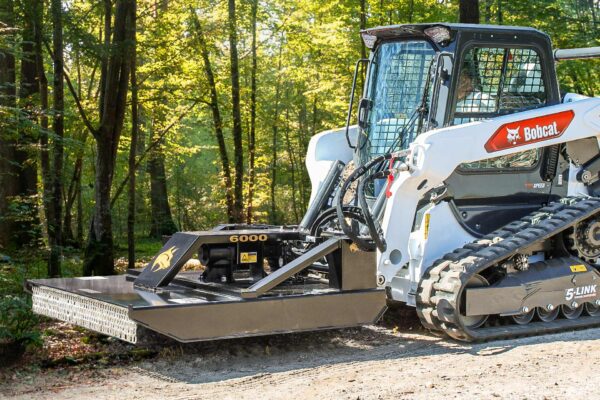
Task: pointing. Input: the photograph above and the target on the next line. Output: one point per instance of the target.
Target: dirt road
(377, 362)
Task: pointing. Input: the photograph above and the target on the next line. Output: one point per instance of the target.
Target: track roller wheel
(547, 315)
(525, 318)
(592, 309)
(474, 321)
(571, 312)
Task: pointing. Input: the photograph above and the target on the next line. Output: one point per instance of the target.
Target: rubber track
(440, 290)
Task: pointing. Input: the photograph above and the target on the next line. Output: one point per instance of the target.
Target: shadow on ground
(398, 336)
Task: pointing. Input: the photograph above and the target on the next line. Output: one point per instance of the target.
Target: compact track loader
(469, 189)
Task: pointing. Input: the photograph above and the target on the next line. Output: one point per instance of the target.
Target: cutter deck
(188, 309)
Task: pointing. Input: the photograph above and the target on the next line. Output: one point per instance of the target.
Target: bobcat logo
(163, 260)
(513, 135)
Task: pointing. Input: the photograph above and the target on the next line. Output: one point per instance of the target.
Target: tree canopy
(208, 104)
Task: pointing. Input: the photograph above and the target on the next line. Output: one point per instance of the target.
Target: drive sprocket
(583, 240)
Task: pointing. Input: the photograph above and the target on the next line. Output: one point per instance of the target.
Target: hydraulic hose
(375, 230)
(360, 242)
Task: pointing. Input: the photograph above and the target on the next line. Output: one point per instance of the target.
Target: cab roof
(372, 35)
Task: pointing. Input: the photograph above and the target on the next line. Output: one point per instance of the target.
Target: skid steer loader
(474, 197)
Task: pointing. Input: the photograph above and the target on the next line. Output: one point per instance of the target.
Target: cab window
(497, 81)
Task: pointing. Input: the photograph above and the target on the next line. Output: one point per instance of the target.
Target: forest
(122, 121)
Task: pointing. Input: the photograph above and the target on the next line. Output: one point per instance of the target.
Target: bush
(18, 324)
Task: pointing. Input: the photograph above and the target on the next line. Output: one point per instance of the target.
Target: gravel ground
(374, 362)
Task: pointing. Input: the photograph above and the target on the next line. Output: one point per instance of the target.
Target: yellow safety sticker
(426, 230)
(248, 258)
(578, 268)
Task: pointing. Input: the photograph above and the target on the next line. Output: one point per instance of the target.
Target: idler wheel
(474, 321)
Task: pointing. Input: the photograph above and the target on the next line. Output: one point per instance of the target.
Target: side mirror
(364, 106)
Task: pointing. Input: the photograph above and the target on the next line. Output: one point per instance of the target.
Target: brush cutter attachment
(253, 282)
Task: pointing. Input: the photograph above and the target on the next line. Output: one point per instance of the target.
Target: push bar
(574, 54)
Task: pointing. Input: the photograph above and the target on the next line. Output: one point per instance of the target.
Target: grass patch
(145, 247)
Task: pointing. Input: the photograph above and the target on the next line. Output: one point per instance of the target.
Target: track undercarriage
(493, 274)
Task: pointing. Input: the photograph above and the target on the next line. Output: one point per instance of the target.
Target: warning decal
(248, 258)
(578, 268)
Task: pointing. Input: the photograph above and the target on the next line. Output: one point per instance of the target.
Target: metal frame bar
(292, 268)
(578, 53)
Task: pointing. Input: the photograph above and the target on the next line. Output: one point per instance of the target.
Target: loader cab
(397, 90)
(425, 76)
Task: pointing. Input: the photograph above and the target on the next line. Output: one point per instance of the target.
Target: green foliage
(305, 56)
(145, 248)
(18, 324)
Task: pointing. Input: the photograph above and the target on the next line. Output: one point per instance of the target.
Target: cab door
(504, 79)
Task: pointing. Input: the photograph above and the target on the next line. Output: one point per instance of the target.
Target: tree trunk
(55, 224)
(363, 25)
(273, 214)
(236, 113)
(72, 196)
(303, 146)
(43, 88)
(8, 171)
(593, 7)
(99, 250)
(411, 10)
(468, 11)
(216, 114)
(135, 124)
(73, 192)
(162, 220)
(292, 169)
(79, 231)
(363, 48)
(28, 232)
(105, 52)
(68, 237)
(252, 138)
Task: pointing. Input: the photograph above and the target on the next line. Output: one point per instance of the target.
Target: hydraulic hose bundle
(376, 240)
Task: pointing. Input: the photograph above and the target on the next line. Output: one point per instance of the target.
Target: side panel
(438, 233)
(323, 149)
